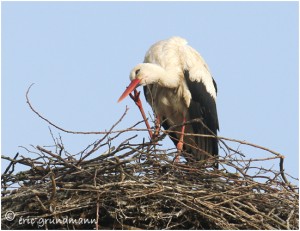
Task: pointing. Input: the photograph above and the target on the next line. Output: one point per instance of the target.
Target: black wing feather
(203, 106)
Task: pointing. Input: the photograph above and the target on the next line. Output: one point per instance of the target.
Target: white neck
(153, 73)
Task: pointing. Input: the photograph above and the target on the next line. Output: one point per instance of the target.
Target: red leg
(138, 102)
(180, 142)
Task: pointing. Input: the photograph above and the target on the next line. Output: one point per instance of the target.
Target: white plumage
(179, 87)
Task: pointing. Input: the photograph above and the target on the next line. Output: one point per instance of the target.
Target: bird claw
(156, 132)
(136, 97)
(154, 138)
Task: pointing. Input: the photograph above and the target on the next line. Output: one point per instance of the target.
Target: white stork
(179, 87)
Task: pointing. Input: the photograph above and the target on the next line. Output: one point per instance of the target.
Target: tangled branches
(136, 185)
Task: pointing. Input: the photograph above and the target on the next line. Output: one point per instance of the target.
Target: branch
(62, 129)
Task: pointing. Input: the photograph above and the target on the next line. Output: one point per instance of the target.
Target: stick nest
(136, 185)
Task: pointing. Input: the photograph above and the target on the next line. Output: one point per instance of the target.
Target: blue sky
(79, 55)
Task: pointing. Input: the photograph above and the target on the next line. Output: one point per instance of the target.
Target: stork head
(142, 74)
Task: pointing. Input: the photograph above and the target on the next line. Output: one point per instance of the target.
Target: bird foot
(156, 132)
(136, 98)
(154, 138)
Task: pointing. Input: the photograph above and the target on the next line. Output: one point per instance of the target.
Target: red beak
(133, 85)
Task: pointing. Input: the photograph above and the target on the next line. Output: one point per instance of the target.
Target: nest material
(137, 186)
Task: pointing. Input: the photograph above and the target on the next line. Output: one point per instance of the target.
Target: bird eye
(137, 71)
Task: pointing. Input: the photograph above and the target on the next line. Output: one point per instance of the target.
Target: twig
(96, 145)
(12, 163)
(58, 127)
